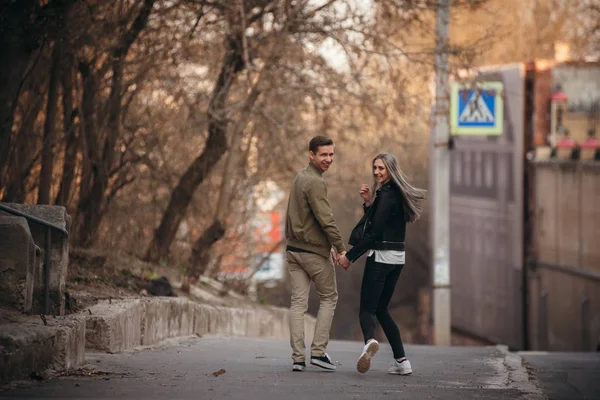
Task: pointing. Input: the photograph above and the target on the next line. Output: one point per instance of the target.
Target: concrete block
(201, 319)
(184, 324)
(59, 252)
(210, 313)
(24, 350)
(239, 321)
(28, 346)
(271, 322)
(69, 349)
(114, 327)
(17, 263)
(221, 321)
(256, 322)
(155, 322)
(165, 318)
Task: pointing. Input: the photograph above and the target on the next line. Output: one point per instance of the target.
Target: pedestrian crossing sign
(476, 108)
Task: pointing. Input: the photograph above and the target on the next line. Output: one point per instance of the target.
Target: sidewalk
(565, 376)
(242, 368)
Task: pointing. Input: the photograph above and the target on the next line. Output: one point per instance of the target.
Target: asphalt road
(252, 369)
(566, 376)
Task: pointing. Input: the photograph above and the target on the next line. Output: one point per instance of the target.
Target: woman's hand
(343, 261)
(365, 193)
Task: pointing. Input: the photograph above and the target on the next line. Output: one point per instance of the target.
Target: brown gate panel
(565, 280)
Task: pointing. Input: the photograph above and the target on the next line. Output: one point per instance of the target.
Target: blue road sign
(477, 110)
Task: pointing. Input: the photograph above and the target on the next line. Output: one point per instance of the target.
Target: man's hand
(343, 260)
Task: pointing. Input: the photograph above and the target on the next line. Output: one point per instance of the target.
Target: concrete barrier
(59, 254)
(28, 346)
(114, 327)
(19, 258)
(165, 318)
(126, 324)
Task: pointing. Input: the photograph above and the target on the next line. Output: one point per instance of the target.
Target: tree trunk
(71, 142)
(199, 257)
(93, 208)
(229, 181)
(89, 130)
(23, 24)
(93, 205)
(235, 159)
(22, 157)
(234, 156)
(15, 56)
(89, 149)
(49, 129)
(215, 147)
(12, 69)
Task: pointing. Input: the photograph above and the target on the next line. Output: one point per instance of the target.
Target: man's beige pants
(304, 268)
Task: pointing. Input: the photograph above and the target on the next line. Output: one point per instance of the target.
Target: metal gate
(486, 222)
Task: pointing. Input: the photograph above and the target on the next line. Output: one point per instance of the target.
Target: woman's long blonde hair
(412, 197)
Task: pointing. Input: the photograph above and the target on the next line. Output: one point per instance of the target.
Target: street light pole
(441, 173)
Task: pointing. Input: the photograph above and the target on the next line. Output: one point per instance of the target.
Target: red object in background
(591, 143)
(559, 96)
(275, 233)
(566, 143)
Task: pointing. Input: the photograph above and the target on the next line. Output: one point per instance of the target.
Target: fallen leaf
(219, 372)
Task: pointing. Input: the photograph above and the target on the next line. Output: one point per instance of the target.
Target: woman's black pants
(378, 284)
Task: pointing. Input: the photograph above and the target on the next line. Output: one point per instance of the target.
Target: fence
(564, 277)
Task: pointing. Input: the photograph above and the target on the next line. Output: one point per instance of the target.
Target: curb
(123, 325)
(29, 346)
(518, 377)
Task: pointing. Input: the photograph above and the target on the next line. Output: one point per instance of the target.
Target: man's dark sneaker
(299, 366)
(323, 361)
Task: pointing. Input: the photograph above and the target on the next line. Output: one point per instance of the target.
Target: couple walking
(314, 244)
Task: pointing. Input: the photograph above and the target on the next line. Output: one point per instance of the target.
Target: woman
(395, 203)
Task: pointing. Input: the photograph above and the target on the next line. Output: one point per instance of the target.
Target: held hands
(365, 193)
(340, 259)
(343, 260)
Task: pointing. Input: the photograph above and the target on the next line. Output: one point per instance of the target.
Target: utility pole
(441, 180)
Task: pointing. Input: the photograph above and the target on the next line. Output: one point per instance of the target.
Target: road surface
(253, 369)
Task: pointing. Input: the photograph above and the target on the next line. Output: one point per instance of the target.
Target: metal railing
(584, 305)
(47, 242)
(590, 275)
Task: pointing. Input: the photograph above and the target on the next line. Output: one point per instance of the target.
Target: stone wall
(59, 252)
(18, 261)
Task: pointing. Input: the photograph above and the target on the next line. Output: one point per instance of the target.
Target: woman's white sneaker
(400, 368)
(364, 361)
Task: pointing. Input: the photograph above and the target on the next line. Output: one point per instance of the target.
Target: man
(311, 232)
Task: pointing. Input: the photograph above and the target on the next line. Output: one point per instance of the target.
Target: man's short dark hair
(319, 141)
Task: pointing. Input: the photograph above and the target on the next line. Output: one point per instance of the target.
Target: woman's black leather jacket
(385, 228)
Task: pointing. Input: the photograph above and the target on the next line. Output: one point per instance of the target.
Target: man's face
(323, 158)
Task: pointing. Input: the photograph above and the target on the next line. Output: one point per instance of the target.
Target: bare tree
(24, 26)
(101, 154)
(49, 128)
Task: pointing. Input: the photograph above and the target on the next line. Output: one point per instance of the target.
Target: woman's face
(380, 172)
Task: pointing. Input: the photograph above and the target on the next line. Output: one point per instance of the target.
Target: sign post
(441, 181)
